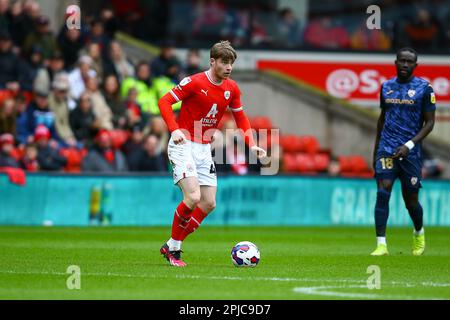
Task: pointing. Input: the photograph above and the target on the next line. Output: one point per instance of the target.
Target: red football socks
(181, 219)
(196, 219)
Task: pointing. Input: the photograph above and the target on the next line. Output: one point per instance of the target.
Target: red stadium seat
(309, 144)
(290, 143)
(321, 161)
(118, 137)
(289, 163)
(305, 163)
(74, 158)
(260, 122)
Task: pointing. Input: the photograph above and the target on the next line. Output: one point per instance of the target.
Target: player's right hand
(178, 137)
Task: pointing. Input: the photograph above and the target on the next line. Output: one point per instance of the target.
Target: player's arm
(180, 92)
(380, 125)
(243, 123)
(428, 114)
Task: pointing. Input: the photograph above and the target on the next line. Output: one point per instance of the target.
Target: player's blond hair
(223, 50)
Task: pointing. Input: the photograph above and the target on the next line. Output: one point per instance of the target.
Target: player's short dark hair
(407, 49)
(224, 50)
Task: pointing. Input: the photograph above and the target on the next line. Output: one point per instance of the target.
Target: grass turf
(296, 263)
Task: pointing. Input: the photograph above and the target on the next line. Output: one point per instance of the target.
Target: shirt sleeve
(183, 90)
(235, 103)
(429, 99)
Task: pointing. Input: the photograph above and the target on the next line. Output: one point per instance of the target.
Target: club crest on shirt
(185, 81)
(226, 94)
(411, 93)
(414, 181)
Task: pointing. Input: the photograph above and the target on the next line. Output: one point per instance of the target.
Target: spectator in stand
(6, 149)
(29, 161)
(324, 33)
(101, 110)
(38, 113)
(93, 50)
(133, 109)
(102, 157)
(148, 157)
(111, 93)
(18, 24)
(289, 33)
(79, 76)
(373, 40)
(192, 64)
(157, 126)
(109, 20)
(166, 60)
(32, 11)
(97, 35)
(35, 67)
(70, 41)
(423, 32)
(59, 104)
(134, 142)
(42, 36)
(45, 76)
(8, 117)
(10, 65)
(4, 16)
(118, 63)
(48, 156)
(21, 120)
(83, 121)
(146, 93)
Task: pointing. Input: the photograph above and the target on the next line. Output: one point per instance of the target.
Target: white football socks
(174, 245)
(381, 240)
(419, 233)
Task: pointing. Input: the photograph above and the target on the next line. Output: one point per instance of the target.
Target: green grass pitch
(296, 263)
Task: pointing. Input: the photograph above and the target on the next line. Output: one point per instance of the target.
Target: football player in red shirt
(205, 97)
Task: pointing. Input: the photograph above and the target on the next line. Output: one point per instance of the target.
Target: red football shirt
(203, 104)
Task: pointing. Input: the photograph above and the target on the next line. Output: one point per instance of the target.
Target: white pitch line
(324, 291)
(304, 290)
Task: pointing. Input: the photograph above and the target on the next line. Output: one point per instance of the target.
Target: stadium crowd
(75, 102)
(267, 24)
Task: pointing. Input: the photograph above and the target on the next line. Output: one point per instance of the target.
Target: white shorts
(192, 159)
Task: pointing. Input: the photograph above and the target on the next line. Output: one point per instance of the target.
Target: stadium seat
(289, 163)
(74, 157)
(290, 143)
(118, 137)
(321, 161)
(309, 144)
(260, 122)
(305, 163)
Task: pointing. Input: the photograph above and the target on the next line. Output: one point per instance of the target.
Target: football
(245, 254)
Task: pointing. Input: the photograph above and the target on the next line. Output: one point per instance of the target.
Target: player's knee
(383, 196)
(209, 205)
(193, 198)
(411, 205)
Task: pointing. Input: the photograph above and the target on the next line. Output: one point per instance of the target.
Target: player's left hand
(259, 152)
(401, 152)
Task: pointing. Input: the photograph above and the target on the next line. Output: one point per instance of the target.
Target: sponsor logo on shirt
(399, 101)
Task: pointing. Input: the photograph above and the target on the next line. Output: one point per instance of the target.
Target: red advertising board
(358, 82)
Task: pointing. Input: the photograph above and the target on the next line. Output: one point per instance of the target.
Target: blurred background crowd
(307, 25)
(73, 101)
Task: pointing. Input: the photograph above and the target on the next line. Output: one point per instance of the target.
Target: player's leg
(191, 197)
(411, 184)
(205, 206)
(382, 214)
